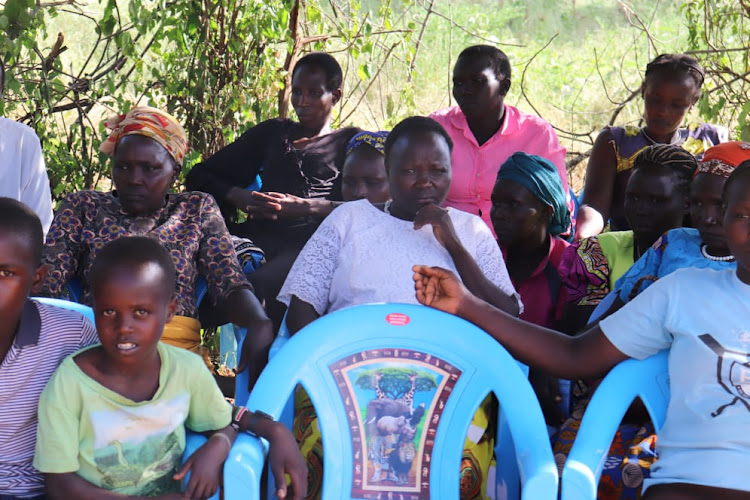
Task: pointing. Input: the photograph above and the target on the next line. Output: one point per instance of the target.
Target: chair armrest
(244, 468)
(580, 477)
(626, 381)
(603, 306)
(241, 393)
(281, 339)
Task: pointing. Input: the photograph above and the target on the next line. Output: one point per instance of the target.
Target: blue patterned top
(676, 249)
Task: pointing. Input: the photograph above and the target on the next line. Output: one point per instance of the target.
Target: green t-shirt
(617, 247)
(118, 444)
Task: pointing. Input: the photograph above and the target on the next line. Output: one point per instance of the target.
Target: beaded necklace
(725, 258)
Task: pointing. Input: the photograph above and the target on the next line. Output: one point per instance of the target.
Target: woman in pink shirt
(486, 131)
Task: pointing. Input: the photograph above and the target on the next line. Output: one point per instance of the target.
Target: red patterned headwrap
(723, 158)
(149, 122)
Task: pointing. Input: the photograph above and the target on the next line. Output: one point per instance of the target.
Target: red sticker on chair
(397, 319)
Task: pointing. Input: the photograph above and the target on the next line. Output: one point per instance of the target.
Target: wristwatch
(239, 412)
(254, 418)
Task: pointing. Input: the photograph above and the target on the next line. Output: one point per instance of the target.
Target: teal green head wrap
(539, 176)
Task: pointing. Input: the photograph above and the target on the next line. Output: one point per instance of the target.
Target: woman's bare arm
(467, 267)
(587, 355)
(299, 315)
(599, 190)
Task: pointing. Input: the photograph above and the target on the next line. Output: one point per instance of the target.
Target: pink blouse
(543, 294)
(475, 167)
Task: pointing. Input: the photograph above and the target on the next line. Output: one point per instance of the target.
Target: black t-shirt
(309, 169)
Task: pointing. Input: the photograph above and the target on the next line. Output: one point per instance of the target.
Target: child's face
(131, 307)
(19, 275)
(667, 99)
(652, 204)
(707, 211)
(364, 176)
(518, 217)
(737, 225)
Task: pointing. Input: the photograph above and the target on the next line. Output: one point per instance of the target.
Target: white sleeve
(638, 329)
(490, 261)
(311, 276)
(35, 191)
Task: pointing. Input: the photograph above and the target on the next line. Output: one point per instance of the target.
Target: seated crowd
(467, 211)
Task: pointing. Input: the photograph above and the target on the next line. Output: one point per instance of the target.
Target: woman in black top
(302, 158)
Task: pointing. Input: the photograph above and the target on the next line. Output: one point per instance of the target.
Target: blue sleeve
(647, 265)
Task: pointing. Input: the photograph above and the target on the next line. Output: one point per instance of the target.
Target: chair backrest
(602, 306)
(66, 304)
(648, 380)
(399, 384)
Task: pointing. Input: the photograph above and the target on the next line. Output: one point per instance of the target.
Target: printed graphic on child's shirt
(733, 373)
(394, 400)
(138, 447)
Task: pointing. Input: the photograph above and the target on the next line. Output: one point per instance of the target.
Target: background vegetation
(222, 65)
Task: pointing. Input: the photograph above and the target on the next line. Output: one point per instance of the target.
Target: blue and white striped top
(46, 335)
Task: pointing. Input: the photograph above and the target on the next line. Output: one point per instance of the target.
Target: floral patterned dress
(189, 226)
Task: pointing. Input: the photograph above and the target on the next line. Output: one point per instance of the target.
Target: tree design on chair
(394, 400)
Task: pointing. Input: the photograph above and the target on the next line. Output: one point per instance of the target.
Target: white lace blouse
(360, 255)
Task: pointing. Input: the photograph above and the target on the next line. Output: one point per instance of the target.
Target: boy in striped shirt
(34, 339)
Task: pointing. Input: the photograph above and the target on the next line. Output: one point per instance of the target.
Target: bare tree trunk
(291, 59)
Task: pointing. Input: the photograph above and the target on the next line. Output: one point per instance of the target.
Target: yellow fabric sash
(183, 332)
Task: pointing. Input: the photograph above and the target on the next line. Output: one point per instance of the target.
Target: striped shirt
(46, 335)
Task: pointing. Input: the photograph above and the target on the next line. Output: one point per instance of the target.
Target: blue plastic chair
(87, 312)
(648, 380)
(503, 454)
(334, 358)
(238, 478)
(576, 202)
(566, 385)
(603, 306)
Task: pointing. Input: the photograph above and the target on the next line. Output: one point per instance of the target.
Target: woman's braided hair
(674, 63)
(680, 162)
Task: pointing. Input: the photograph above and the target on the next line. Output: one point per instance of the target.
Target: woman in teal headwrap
(528, 212)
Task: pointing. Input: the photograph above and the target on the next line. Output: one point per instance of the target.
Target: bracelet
(224, 437)
(238, 412)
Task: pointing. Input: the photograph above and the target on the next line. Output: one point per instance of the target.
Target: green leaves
(363, 71)
(17, 17)
(718, 33)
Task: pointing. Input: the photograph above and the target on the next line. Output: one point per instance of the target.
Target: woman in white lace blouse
(364, 253)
